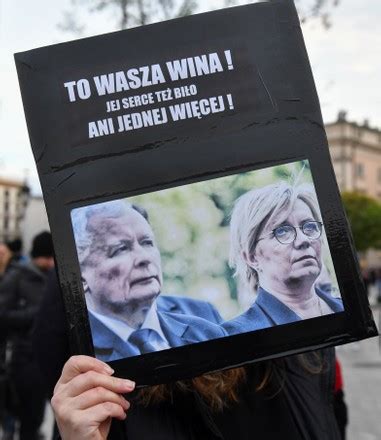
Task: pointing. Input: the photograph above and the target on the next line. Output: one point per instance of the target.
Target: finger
(101, 412)
(81, 364)
(98, 395)
(92, 379)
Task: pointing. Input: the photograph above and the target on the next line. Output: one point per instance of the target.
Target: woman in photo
(276, 251)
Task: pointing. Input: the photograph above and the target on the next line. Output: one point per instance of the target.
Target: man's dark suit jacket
(182, 320)
(268, 311)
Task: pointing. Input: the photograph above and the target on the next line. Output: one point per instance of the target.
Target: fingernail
(126, 403)
(109, 370)
(128, 383)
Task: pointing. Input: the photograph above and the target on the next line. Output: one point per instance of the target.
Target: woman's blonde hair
(252, 211)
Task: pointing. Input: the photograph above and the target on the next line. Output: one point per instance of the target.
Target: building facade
(35, 221)
(14, 197)
(355, 151)
(356, 156)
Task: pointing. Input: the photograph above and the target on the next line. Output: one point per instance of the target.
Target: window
(359, 170)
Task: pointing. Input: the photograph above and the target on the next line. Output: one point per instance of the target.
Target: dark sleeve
(19, 319)
(50, 337)
(11, 316)
(8, 287)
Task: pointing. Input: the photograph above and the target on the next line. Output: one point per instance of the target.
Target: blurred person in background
(9, 257)
(378, 284)
(16, 247)
(324, 283)
(339, 405)
(5, 259)
(21, 291)
(10, 253)
(366, 276)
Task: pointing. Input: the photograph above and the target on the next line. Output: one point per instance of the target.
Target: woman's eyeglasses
(286, 234)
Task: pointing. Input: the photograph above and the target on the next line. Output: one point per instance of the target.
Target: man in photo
(122, 278)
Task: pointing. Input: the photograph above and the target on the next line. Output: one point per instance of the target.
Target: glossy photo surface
(203, 261)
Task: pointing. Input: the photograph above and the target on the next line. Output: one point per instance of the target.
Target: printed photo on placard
(203, 261)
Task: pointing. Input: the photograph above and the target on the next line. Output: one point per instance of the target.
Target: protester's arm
(87, 397)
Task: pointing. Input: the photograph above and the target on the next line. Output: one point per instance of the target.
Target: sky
(345, 60)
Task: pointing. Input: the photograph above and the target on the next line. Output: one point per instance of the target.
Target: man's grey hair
(256, 208)
(81, 217)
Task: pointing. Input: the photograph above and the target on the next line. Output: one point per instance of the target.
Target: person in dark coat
(20, 296)
(8, 257)
(8, 263)
(290, 397)
(290, 401)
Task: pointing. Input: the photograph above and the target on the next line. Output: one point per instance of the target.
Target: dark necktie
(142, 340)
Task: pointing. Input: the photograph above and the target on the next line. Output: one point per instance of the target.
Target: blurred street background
(343, 39)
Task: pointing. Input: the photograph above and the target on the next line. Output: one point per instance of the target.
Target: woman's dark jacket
(297, 404)
(267, 311)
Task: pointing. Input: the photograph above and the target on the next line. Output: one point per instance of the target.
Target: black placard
(192, 121)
